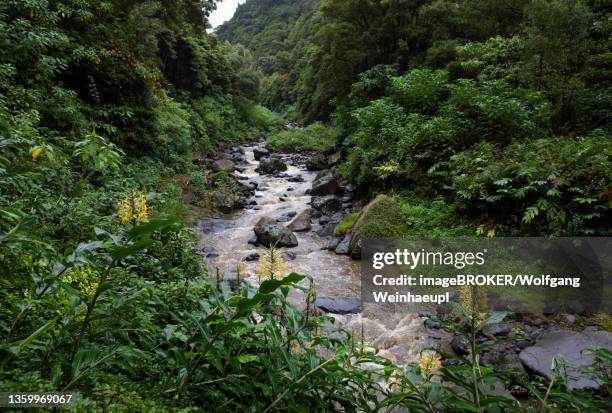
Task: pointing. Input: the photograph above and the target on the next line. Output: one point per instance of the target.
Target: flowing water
(401, 336)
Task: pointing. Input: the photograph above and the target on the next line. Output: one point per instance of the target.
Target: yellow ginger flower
(430, 363)
(36, 153)
(133, 208)
(271, 265)
(473, 300)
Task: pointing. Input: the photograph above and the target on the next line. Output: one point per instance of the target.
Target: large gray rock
(271, 165)
(224, 165)
(269, 232)
(260, 153)
(325, 184)
(339, 305)
(571, 346)
(301, 222)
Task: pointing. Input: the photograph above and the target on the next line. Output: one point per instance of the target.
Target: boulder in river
(325, 184)
(339, 305)
(252, 257)
(272, 165)
(269, 232)
(570, 345)
(316, 163)
(301, 222)
(260, 153)
(224, 165)
(381, 218)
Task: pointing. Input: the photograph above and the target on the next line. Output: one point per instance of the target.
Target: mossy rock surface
(381, 218)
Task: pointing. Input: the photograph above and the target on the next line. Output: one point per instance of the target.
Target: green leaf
(122, 252)
(167, 224)
(247, 358)
(269, 286)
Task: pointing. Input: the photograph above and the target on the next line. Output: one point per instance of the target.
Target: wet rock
(282, 199)
(344, 246)
(333, 160)
(499, 329)
(260, 153)
(289, 255)
(301, 222)
(501, 357)
(434, 325)
(269, 232)
(460, 345)
(316, 163)
(572, 347)
(271, 165)
(326, 204)
(210, 252)
(252, 240)
(224, 165)
(381, 218)
(290, 189)
(286, 217)
(326, 230)
(297, 179)
(339, 305)
(252, 257)
(326, 184)
(223, 202)
(333, 244)
(240, 202)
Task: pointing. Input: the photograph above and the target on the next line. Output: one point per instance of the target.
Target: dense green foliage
(476, 116)
(503, 110)
(314, 137)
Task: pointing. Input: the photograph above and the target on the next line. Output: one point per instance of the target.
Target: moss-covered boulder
(381, 218)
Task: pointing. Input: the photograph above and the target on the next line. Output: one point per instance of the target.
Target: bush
(314, 137)
(556, 186)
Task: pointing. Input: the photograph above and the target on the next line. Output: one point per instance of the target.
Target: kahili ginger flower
(430, 363)
(271, 265)
(133, 208)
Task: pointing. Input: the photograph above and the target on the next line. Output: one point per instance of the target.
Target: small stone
(252, 257)
(339, 305)
(460, 345)
(289, 255)
(570, 319)
(210, 252)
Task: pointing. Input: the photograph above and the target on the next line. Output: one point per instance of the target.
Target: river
(400, 336)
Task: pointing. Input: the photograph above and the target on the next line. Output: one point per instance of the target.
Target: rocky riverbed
(296, 200)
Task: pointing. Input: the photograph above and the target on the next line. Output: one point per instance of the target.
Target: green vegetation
(476, 117)
(314, 137)
(346, 224)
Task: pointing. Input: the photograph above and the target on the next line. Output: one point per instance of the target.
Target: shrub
(556, 186)
(314, 137)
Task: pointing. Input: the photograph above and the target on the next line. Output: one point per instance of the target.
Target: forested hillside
(125, 128)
